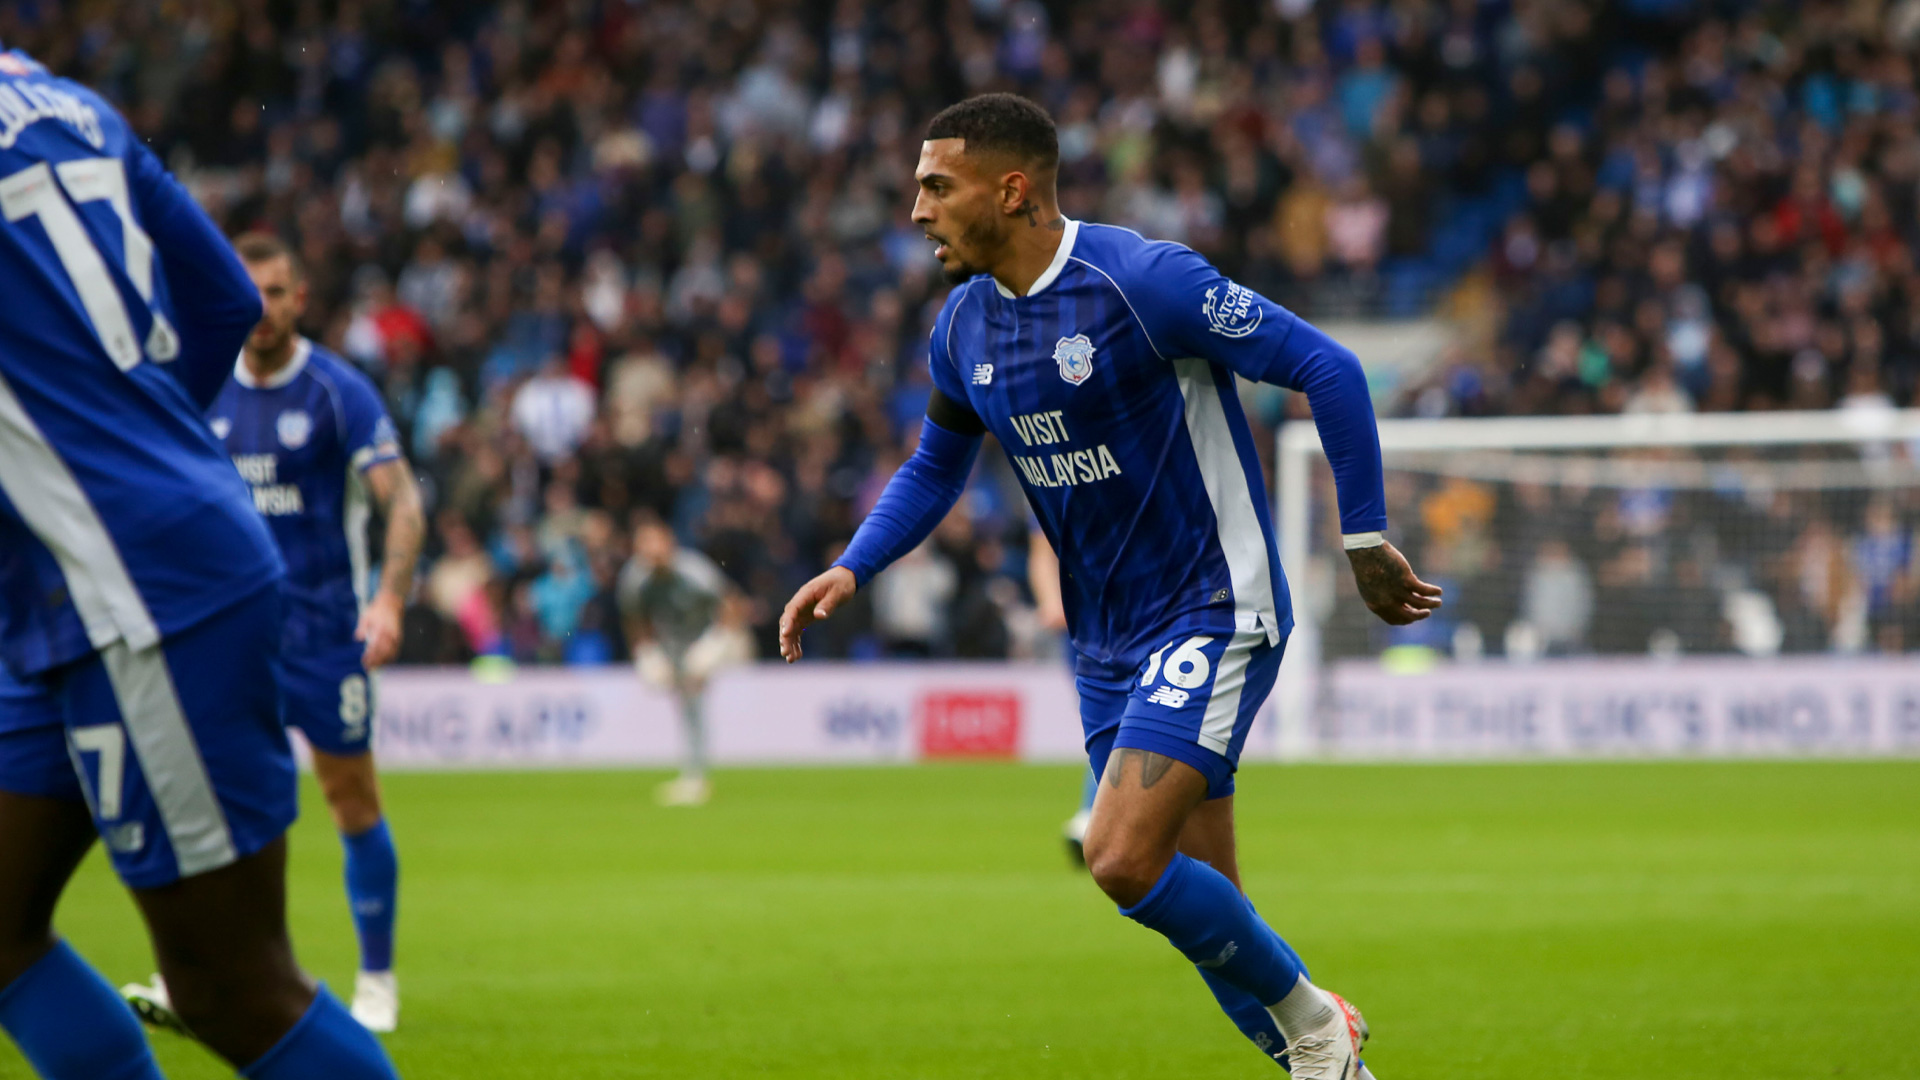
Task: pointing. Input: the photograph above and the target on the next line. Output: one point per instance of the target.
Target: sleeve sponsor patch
(1232, 310)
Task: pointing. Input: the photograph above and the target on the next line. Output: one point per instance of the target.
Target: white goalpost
(1629, 584)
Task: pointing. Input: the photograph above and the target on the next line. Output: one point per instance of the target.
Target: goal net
(1643, 538)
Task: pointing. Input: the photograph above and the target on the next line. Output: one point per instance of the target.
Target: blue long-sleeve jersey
(1110, 387)
(121, 518)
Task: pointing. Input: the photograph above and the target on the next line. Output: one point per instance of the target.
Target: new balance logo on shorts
(1170, 697)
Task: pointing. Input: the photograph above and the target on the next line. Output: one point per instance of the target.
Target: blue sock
(1254, 1020)
(373, 884)
(327, 1044)
(70, 1025)
(1214, 926)
(1088, 791)
(1247, 1014)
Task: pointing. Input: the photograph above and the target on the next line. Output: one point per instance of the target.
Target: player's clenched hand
(815, 601)
(380, 629)
(1390, 587)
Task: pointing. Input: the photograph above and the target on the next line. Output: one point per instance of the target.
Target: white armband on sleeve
(1356, 541)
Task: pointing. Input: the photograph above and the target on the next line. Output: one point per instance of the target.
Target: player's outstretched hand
(1390, 587)
(815, 601)
(380, 629)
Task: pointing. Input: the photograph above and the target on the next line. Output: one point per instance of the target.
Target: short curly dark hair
(1001, 123)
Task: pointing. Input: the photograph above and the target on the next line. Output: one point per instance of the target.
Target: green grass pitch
(1551, 922)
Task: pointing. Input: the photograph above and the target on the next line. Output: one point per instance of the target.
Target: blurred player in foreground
(140, 606)
(1103, 363)
(1043, 577)
(308, 431)
(685, 624)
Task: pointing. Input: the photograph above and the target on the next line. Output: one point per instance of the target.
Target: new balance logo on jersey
(1172, 699)
(983, 375)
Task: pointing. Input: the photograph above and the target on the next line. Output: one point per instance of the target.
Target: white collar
(302, 349)
(1053, 269)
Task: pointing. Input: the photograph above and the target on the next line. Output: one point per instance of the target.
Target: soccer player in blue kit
(1104, 363)
(308, 432)
(139, 614)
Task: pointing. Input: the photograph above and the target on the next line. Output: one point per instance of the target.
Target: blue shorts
(1193, 700)
(178, 747)
(33, 744)
(329, 697)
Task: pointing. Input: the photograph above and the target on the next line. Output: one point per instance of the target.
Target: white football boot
(376, 1001)
(152, 1005)
(1075, 834)
(684, 791)
(1333, 1051)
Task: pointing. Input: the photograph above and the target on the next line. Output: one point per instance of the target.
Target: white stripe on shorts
(169, 759)
(1229, 679)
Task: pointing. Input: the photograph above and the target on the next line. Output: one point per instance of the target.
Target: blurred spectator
(1557, 598)
(553, 410)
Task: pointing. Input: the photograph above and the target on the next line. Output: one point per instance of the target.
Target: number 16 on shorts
(1197, 686)
(1186, 671)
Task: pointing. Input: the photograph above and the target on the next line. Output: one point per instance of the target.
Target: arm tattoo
(1152, 766)
(1373, 573)
(399, 501)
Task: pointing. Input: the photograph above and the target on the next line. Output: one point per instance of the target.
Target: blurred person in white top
(554, 411)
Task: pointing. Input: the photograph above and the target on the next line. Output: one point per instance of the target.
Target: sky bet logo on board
(1075, 357)
(1234, 315)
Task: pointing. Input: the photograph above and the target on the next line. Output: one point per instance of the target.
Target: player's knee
(1125, 872)
(236, 998)
(208, 997)
(21, 948)
(355, 812)
(352, 794)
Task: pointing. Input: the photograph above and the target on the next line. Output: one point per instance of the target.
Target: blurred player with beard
(1103, 364)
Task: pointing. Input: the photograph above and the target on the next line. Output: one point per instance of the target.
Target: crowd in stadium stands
(608, 257)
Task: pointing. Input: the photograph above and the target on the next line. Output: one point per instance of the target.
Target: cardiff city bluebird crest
(1075, 357)
(294, 428)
